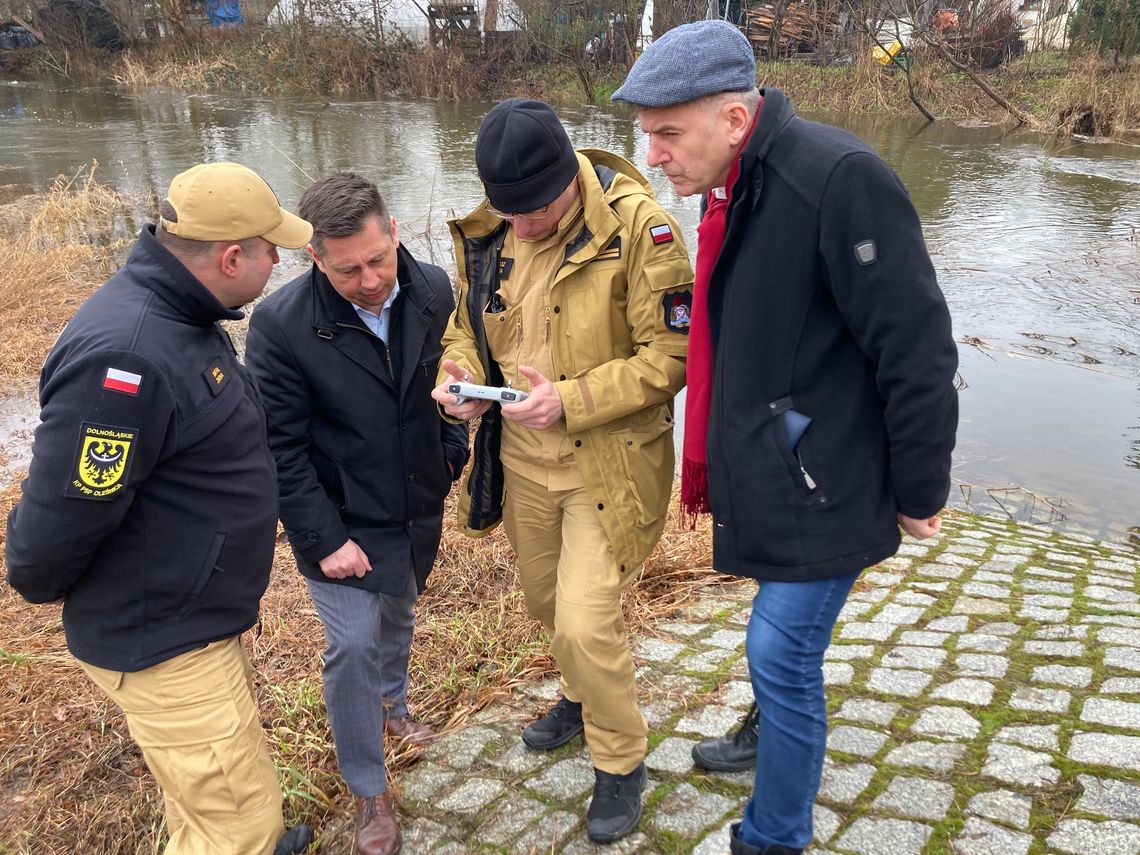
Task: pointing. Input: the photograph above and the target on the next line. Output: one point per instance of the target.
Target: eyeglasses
(529, 215)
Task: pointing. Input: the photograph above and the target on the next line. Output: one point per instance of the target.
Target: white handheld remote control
(502, 394)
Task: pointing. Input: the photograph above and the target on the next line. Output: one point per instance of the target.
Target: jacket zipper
(388, 358)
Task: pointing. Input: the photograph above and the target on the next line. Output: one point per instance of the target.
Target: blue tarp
(14, 36)
(224, 13)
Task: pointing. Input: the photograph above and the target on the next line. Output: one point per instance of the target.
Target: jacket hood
(599, 157)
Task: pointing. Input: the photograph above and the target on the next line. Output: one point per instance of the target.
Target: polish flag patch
(118, 380)
(661, 234)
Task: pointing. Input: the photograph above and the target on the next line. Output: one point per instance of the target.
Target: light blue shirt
(379, 323)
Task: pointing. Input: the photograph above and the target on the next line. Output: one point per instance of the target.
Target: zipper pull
(547, 339)
(811, 485)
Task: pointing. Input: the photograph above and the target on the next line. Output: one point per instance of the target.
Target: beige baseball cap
(228, 201)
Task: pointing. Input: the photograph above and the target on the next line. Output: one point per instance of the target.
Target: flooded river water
(1036, 243)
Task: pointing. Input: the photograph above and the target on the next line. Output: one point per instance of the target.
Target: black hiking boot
(616, 806)
(295, 841)
(733, 752)
(561, 724)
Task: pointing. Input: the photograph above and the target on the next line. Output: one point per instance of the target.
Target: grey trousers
(368, 637)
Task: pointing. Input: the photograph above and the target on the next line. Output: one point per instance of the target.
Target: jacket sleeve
(93, 449)
(660, 299)
(456, 446)
(455, 436)
(460, 345)
(311, 520)
(885, 288)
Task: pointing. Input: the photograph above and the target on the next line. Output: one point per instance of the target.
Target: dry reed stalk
(57, 249)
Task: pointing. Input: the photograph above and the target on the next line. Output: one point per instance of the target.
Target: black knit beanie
(524, 157)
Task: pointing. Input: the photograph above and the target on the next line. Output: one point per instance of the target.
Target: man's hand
(920, 529)
(349, 560)
(468, 409)
(543, 406)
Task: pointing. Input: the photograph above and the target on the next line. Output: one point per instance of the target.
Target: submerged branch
(1022, 117)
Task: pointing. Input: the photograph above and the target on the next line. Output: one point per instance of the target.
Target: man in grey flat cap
(821, 407)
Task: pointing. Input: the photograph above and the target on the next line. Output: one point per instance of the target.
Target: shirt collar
(387, 303)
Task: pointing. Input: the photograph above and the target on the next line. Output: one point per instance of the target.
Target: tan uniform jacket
(618, 334)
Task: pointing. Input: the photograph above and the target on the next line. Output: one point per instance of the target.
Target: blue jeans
(788, 633)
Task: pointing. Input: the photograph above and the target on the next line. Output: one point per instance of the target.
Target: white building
(389, 18)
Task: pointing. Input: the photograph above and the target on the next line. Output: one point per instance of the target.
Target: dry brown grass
(193, 73)
(57, 248)
(72, 781)
(1106, 95)
(1052, 91)
(320, 62)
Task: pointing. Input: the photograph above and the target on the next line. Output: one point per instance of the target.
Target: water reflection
(1035, 244)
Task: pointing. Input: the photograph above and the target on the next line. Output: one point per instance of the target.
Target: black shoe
(739, 847)
(616, 805)
(557, 727)
(733, 752)
(295, 841)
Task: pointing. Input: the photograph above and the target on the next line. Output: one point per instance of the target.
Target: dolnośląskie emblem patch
(102, 462)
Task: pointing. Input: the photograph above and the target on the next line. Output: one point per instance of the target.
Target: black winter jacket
(150, 505)
(362, 453)
(823, 301)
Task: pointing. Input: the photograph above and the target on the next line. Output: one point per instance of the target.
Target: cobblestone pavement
(984, 691)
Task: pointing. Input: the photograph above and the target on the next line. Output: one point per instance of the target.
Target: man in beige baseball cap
(228, 201)
(213, 209)
(150, 508)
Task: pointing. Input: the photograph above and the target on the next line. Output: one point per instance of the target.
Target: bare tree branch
(1022, 117)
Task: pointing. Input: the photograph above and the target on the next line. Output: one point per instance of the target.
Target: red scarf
(699, 364)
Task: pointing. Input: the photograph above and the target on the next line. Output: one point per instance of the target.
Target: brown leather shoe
(376, 830)
(406, 729)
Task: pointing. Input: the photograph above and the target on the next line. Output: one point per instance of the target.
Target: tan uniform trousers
(572, 584)
(195, 719)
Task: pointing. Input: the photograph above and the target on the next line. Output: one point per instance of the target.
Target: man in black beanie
(575, 287)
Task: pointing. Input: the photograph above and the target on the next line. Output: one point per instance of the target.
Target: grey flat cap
(689, 62)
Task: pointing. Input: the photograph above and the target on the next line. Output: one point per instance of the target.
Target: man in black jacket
(821, 403)
(345, 357)
(150, 506)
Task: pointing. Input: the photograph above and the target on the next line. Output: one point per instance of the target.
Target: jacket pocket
(669, 274)
(791, 435)
(645, 450)
(763, 506)
(329, 476)
(504, 336)
(583, 337)
(795, 430)
(347, 495)
(430, 365)
(208, 567)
